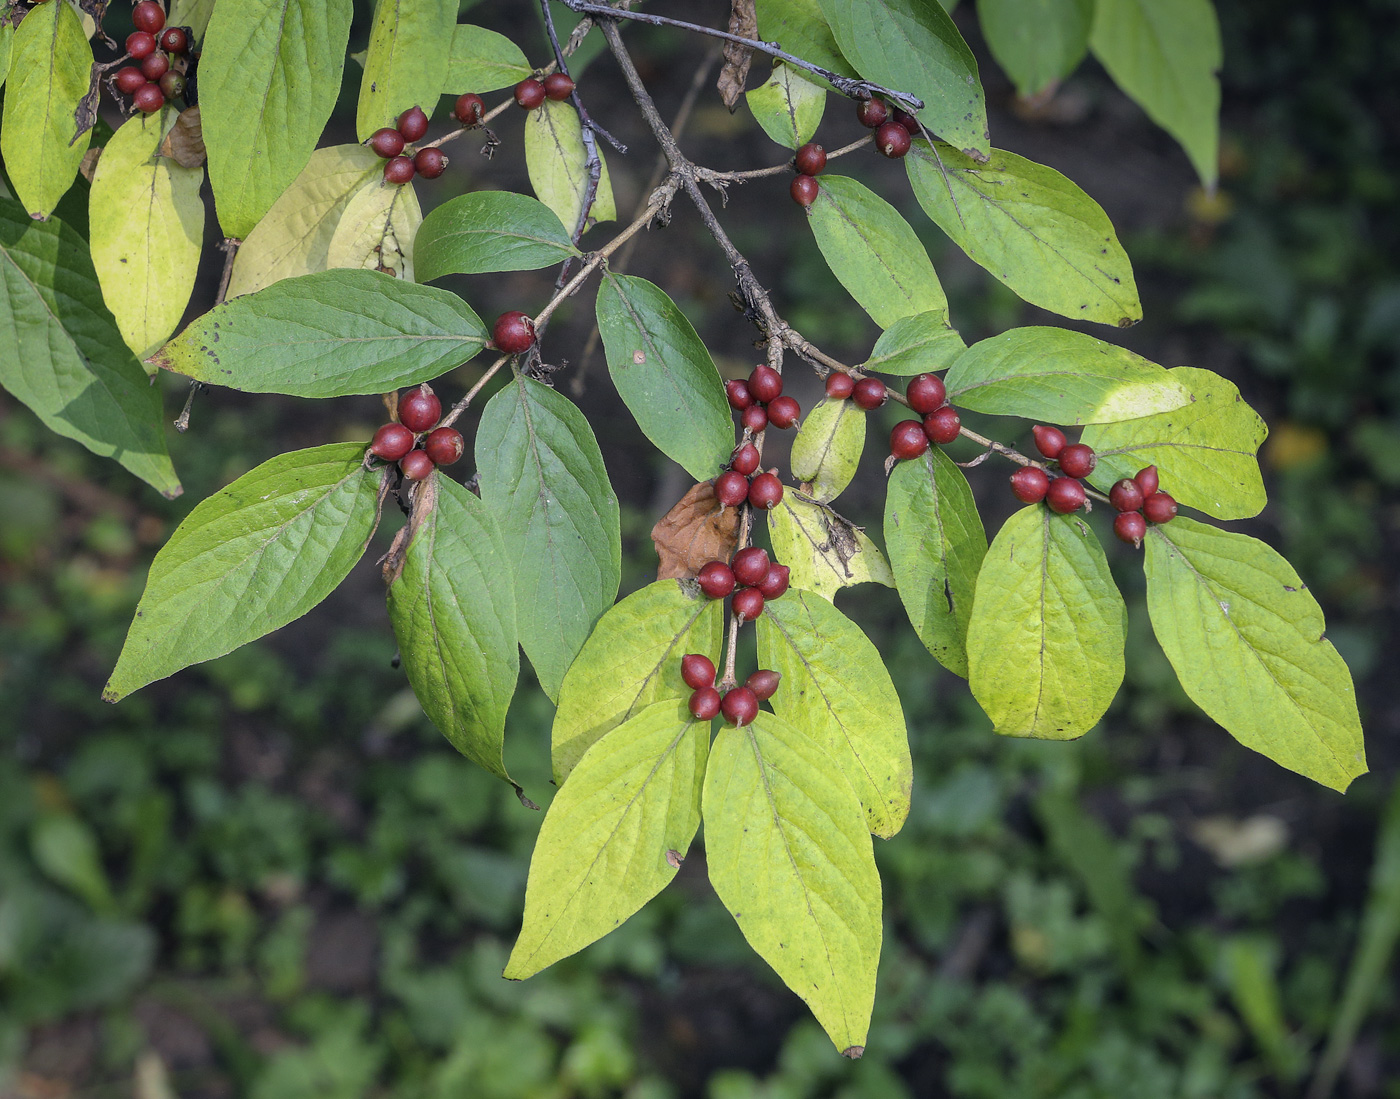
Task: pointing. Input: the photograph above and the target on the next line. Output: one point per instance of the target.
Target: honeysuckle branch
(711, 176)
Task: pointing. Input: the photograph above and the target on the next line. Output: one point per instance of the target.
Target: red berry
(386, 142)
(469, 109)
(175, 40)
(765, 492)
(739, 706)
(744, 459)
(943, 425)
(738, 393)
(444, 445)
(1029, 484)
(751, 565)
(1159, 508)
(1130, 527)
(415, 465)
(430, 162)
(1147, 480)
(765, 383)
(148, 98)
(810, 159)
(892, 140)
(558, 86)
(775, 581)
(839, 386)
(148, 16)
(907, 439)
(128, 79)
(1048, 440)
(529, 93)
(419, 409)
(140, 44)
(155, 66)
(748, 604)
(763, 684)
(391, 442)
(172, 85)
(1065, 495)
(784, 411)
(705, 703)
(413, 124)
(908, 121)
(755, 418)
(872, 113)
(697, 670)
(804, 190)
(869, 393)
(513, 332)
(716, 579)
(731, 489)
(925, 393)
(398, 170)
(1126, 495)
(1078, 460)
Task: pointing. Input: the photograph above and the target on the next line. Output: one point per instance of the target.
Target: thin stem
(230, 247)
(461, 406)
(709, 175)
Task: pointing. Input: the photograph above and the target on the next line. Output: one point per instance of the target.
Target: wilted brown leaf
(184, 144)
(693, 532)
(743, 21)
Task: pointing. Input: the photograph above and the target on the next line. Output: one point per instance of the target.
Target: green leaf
(936, 543)
(294, 237)
(1060, 377)
(65, 848)
(49, 74)
(405, 64)
(916, 345)
(788, 105)
(489, 231)
(803, 31)
(453, 612)
(614, 835)
(835, 689)
(268, 79)
(328, 335)
(789, 856)
(483, 61)
(631, 660)
(193, 14)
(542, 477)
(912, 46)
(1031, 228)
(7, 39)
(873, 252)
(827, 447)
(1045, 641)
(376, 231)
(664, 374)
(1247, 640)
(825, 551)
(248, 560)
(1039, 42)
(1166, 55)
(147, 224)
(557, 161)
(62, 355)
(1204, 451)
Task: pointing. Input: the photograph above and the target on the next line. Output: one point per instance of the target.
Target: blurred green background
(270, 877)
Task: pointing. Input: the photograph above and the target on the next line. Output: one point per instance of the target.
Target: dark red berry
(907, 439)
(869, 393)
(784, 411)
(415, 465)
(755, 418)
(155, 66)
(1159, 508)
(926, 392)
(943, 425)
(1048, 440)
(413, 124)
(140, 44)
(1147, 480)
(804, 190)
(705, 703)
(1078, 460)
(751, 565)
(444, 445)
(765, 383)
(744, 459)
(386, 142)
(558, 86)
(469, 109)
(716, 579)
(739, 706)
(765, 492)
(419, 409)
(892, 140)
(1065, 495)
(391, 442)
(731, 489)
(810, 159)
(839, 386)
(128, 79)
(775, 581)
(1126, 495)
(908, 121)
(1029, 484)
(172, 85)
(748, 604)
(175, 40)
(398, 170)
(529, 93)
(1130, 527)
(872, 113)
(148, 16)
(763, 684)
(148, 98)
(430, 162)
(697, 670)
(738, 393)
(513, 332)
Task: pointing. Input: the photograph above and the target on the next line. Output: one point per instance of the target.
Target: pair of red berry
(1062, 495)
(419, 411)
(1139, 501)
(761, 580)
(390, 141)
(809, 162)
(893, 135)
(760, 400)
(152, 83)
(739, 704)
(733, 487)
(531, 93)
(940, 425)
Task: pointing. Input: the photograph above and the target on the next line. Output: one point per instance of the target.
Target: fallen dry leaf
(743, 21)
(184, 144)
(694, 532)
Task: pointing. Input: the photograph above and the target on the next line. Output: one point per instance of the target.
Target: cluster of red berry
(154, 82)
(750, 571)
(809, 162)
(894, 131)
(531, 93)
(760, 400)
(394, 144)
(940, 425)
(1139, 501)
(398, 441)
(739, 704)
(1062, 495)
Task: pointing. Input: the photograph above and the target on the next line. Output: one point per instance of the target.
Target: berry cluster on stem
(159, 77)
(414, 440)
(738, 704)
(396, 144)
(759, 400)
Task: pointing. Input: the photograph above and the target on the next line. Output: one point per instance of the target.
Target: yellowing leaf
(827, 447)
(825, 551)
(376, 230)
(557, 162)
(788, 106)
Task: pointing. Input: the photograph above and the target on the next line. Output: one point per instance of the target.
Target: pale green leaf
(824, 551)
(377, 229)
(483, 61)
(801, 28)
(557, 162)
(1037, 42)
(405, 64)
(489, 231)
(193, 14)
(7, 38)
(827, 447)
(788, 106)
(917, 344)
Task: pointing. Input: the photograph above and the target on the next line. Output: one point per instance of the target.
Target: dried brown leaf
(184, 144)
(694, 532)
(743, 21)
(88, 165)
